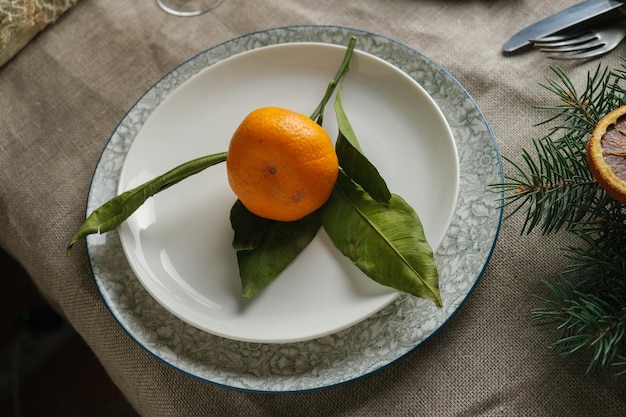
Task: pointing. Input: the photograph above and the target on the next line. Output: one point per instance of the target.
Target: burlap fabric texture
(65, 92)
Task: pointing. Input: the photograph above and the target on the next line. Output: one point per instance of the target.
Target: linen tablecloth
(64, 93)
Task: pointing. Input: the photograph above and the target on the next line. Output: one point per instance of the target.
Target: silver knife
(564, 19)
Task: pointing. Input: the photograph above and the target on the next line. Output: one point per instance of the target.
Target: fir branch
(588, 304)
(619, 366)
(555, 185)
(557, 188)
(579, 113)
(609, 223)
(554, 188)
(587, 319)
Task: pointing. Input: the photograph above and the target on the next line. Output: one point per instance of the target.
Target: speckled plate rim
(350, 354)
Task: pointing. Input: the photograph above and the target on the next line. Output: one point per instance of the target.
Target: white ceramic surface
(179, 244)
(381, 339)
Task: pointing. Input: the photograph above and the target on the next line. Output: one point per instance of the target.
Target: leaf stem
(318, 114)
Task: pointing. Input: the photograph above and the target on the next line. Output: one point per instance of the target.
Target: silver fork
(585, 44)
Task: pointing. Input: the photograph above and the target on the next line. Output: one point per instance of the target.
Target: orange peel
(606, 153)
(281, 164)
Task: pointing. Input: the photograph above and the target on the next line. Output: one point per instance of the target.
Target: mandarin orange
(281, 164)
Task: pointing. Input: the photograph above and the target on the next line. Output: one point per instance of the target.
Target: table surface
(64, 94)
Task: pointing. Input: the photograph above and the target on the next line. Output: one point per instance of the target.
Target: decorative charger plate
(346, 354)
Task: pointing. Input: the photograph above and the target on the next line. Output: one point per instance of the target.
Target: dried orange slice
(606, 153)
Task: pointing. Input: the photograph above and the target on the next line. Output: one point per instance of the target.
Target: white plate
(355, 351)
(179, 243)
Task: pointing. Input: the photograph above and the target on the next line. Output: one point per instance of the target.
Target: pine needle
(553, 189)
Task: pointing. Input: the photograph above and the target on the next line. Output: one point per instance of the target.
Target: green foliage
(384, 240)
(353, 160)
(266, 247)
(391, 238)
(115, 211)
(555, 190)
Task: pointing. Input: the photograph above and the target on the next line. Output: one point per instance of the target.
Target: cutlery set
(585, 30)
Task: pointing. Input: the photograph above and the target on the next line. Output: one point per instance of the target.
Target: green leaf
(386, 241)
(352, 159)
(266, 247)
(115, 211)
